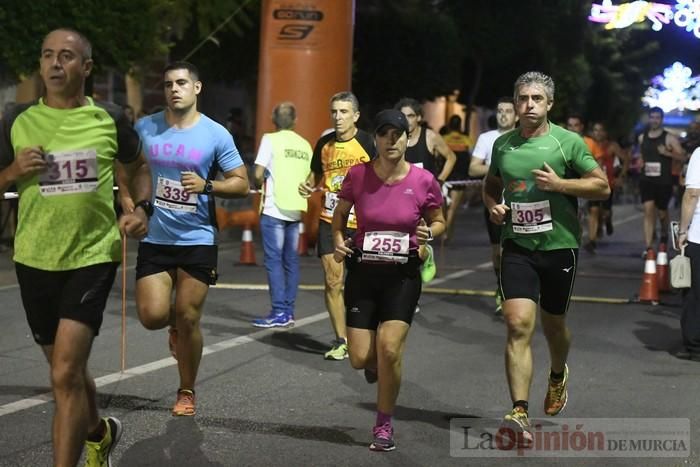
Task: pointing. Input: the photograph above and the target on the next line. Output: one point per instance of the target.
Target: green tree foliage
(223, 39)
(122, 33)
(621, 63)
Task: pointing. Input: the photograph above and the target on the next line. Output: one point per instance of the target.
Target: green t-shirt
(66, 217)
(540, 220)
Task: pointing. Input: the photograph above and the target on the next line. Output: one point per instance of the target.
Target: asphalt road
(269, 398)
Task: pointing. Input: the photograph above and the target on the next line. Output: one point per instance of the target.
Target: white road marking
(24, 404)
(457, 274)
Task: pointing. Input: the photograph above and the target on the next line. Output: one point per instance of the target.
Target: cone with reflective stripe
(247, 246)
(649, 291)
(663, 278)
(303, 247)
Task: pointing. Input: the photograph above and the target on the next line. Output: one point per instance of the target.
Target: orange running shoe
(557, 395)
(184, 406)
(172, 341)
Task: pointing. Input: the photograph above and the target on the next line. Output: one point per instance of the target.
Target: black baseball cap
(390, 117)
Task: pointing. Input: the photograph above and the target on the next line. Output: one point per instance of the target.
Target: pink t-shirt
(397, 207)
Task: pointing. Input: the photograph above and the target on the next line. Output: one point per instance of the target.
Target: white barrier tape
(454, 183)
(14, 195)
(450, 184)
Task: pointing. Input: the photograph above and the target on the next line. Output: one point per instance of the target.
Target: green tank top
(540, 220)
(291, 155)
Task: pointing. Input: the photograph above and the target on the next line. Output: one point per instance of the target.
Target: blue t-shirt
(206, 148)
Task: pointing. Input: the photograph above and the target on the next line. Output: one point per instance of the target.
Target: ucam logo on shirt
(168, 150)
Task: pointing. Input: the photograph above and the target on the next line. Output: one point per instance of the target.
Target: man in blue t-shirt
(186, 150)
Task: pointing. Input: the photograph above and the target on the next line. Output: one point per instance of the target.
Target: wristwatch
(208, 187)
(146, 206)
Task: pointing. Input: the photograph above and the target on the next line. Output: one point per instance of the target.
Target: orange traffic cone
(662, 274)
(247, 247)
(303, 247)
(649, 291)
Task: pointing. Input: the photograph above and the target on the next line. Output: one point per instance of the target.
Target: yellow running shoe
(557, 395)
(518, 421)
(339, 351)
(99, 453)
(499, 302)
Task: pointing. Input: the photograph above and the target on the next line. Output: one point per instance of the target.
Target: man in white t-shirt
(689, 237)
(479, 167)
(282, 163)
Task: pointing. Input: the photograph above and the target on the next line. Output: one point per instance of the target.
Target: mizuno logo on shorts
(567, 269)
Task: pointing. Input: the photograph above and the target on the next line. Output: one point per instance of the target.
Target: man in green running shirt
(540, 169)
(60, 152)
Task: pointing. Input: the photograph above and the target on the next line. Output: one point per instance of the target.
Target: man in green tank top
(539, 170)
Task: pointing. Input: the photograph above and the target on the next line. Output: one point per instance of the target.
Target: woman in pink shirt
(391, 198)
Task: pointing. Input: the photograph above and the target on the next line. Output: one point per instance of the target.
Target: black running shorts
(49, 296)
(199, 261)
(606, 204)
(658, 192)
(324, 242)
(375, 293)
(545, 277)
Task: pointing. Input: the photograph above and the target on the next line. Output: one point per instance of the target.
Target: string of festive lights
(676, 89)
(684, 14)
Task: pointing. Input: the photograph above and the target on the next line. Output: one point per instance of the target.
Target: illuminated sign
(677, 89)
(684, 14)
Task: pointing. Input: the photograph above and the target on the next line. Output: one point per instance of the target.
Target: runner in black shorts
(177, 261)
(60, 151)
(536, 173)
(479, 167)
(657, 148)
(383, 284)
(333, 156)
(461, 145)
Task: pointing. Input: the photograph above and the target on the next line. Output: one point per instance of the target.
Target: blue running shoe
(274, 320)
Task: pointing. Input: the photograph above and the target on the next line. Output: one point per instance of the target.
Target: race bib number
(652, 169)
(530, 218)
(170, 194)
(385, 246)
(69, 172)
(330, 201)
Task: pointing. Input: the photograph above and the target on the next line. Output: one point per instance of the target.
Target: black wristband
(208, 187)
(146, 206)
